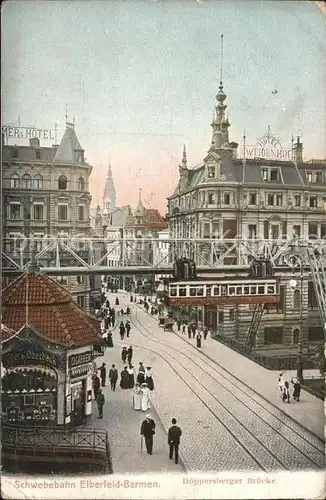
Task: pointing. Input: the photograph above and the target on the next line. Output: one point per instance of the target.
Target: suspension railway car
(241, 291)
(260, 287)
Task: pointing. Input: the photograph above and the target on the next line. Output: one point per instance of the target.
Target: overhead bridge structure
(79, 255)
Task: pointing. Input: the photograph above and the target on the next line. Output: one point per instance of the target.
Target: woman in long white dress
(136, 397)
(145, 400)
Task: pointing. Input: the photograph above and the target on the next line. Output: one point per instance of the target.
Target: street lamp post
(299, 361)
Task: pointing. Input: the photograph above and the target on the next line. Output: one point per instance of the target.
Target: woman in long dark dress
(131, 377)
(149, 378)
(124, 382)
(198, 340)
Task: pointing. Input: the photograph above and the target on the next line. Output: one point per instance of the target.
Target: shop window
(14, 210)
(27, 181)
(295, 336)
(273, 335)
(38, 181)
(38, 211)
(14, 181)
(62, 182)
(315, 333)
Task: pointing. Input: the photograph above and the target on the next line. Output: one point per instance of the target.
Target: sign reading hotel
(27, 132)
(268, 147)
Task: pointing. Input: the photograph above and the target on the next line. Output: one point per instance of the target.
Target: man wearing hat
(148, 430)
(174, 440)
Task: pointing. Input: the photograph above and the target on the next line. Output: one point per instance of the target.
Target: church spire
(220, 123)
(184, 157)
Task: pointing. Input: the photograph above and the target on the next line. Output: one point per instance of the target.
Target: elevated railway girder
(81, 255)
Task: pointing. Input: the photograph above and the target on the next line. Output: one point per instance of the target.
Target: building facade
(254, 198)
(46, 194)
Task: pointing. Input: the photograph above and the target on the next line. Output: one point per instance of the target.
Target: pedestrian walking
(281, 382)
(193, 329)
(286, 392)
(141, 374)
(183, 328)
(128, 327)
(122, 330)
(103, 374)
(296, 389)
(96, 385)
(174, 435)
(100, 403)
(148, 430)
(189, 331)
(149, 378)
(136, 397)
(198, 340)
(179, 324)
(145, 397)
(117, 301)
(205, 333)
(124, 382)
(113, 376)
(129, 354)
(131, 376)
(124, 354)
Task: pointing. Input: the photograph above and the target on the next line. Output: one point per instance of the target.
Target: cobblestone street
(224, 427)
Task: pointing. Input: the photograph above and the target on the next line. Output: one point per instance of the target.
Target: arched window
(296, 335)
(38, 181)
(296, 300)
(62, 183)
(81, 184)
(27, 181)
(14, 181)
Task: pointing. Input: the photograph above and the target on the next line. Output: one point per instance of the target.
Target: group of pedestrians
(284, 387)
(190, 329)
(124, 328)
(147, 431)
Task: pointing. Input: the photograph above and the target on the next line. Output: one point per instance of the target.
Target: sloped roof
(251, 173)
(69, 146)
(150, 219)
(51, 311)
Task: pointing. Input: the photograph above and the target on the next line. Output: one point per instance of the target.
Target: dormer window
(270, 174)
(309, 177)
(211, 172)
(319, 177)
(62, 182)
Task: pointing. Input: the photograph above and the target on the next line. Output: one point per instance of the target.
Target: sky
(140, 78)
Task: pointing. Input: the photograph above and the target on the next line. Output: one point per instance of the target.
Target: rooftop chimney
(298, 151)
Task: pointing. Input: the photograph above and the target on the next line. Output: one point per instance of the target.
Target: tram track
(272, 433)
